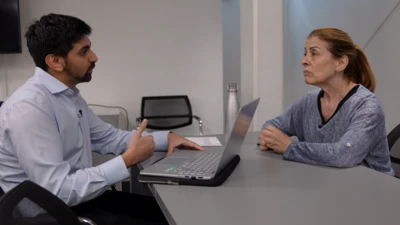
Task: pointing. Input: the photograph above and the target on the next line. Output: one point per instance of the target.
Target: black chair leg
(113, 188)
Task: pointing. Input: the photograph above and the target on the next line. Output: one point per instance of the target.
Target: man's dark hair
(54, 34)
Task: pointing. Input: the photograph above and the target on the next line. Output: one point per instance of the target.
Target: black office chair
(167, 112)
(392, 137)
(58, 212)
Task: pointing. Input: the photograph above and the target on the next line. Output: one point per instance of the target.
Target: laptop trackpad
(172, 161)
(185, 154)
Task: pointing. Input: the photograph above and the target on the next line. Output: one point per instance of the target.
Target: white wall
(231, 45)
(384, 55)
(367, 22)
(3, 85)
(297, 27)
(145, 47)
(262, 57)
(270, 61)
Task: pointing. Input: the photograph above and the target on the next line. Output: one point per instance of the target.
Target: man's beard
(85, 78)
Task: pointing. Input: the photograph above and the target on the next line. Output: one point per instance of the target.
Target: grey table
(264, 189)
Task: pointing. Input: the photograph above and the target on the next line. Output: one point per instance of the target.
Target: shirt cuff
(161, 140)
(115, 170)
(286, 155)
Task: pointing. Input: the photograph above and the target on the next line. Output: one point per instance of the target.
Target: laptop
(205, 165)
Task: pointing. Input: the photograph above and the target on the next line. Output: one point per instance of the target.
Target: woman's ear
(342, 63)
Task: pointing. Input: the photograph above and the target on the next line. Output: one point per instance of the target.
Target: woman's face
(319, 65)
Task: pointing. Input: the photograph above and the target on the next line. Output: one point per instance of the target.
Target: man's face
(80, 61)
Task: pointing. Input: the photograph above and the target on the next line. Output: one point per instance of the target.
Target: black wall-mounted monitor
(10, 27)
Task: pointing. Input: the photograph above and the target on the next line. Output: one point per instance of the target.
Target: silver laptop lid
(238, 132)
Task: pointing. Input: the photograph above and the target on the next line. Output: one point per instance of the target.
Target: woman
(342, 124)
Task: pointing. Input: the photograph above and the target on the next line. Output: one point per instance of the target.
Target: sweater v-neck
(348, 95)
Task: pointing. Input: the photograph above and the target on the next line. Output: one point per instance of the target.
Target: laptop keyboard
(201, 165)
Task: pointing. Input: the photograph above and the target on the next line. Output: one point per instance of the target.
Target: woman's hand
(272, 137)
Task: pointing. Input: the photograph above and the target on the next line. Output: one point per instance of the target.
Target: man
(47, 132)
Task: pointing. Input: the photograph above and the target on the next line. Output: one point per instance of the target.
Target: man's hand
(272, 137)
(175, 141)
(140, 148)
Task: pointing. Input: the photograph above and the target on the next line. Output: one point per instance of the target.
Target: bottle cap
(233, 87)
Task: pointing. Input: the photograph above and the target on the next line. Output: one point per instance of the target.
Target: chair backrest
(393, 136)
(56, 208)
(167, 112)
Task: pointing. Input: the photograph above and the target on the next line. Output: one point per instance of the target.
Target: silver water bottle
(232, 108)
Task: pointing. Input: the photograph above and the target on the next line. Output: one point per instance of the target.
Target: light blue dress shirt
(43, 138)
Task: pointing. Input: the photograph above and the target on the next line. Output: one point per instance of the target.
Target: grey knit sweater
(355, 135)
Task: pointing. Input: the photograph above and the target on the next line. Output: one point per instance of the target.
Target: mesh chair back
(62, 214)
(167, 112)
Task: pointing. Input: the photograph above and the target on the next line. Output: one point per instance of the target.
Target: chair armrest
(113, 188)
(197, 117)
(395, 160)
(86, 221)
(46, 220)
(200, 124)
(393, 136)
(138, 122)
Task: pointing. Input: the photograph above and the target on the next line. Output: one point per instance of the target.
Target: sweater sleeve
(286, 121)
(365, 132)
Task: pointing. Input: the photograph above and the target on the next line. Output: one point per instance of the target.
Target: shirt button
(348, 144)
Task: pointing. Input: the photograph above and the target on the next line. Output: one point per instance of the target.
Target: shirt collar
(51, 83)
